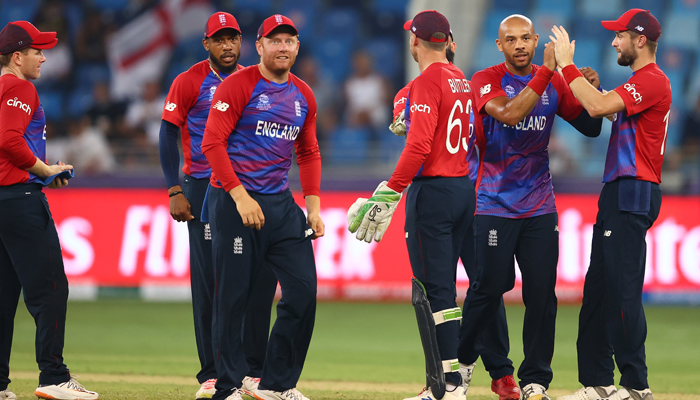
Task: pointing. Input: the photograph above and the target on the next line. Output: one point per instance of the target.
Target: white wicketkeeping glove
(370, 218)
(398, 126)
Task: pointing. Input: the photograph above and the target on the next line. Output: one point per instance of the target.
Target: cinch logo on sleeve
(399, 101)
(420, 108)
(221, 106)
(22, 106)
(630, 88)
(170, 106)
(484, 90)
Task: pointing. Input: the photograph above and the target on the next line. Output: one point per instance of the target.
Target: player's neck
(273, 77)
(428, 58)
(9, 70)
(642, 61)
(519, 71)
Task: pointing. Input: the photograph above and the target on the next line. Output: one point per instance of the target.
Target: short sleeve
(487, 86)
(569, 107)
(641, 92)
(182, 96)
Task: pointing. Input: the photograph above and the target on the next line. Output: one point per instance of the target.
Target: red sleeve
(182, 96)
(14, 121)
(306, 146)
(425, 99)
(400, 100)
(226, 107)
(641, 92)
(487, 86)
(569, 107)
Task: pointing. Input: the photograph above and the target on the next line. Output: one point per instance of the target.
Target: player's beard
(627, 58)
(450, 55)
(219, 66)
(520, 65)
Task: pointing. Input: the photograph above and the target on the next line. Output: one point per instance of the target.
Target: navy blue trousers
(438, 213)
(30, 259)
(612, 318)
(257, 317)
(284, 243)
(494, 344)
(535, 243)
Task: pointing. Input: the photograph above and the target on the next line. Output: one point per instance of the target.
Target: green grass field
(128, 349)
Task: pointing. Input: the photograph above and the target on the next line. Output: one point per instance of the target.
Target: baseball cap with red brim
(426, 23)
(19, 35)
(220, 20)
(638, 21)
(273, 22)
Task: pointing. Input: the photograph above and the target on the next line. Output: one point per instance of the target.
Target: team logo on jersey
(212, 90)
(630, 88)
(297, 108)
(207, 232)
(221, 106)
(493, 238)
(510, 91)
(399, 101)
(420, 108)
(545, 99)
(308, 232)
(238, 245)
(170, 106)
(484, 90)
(263, 102)
(22, 106)
(607, 233)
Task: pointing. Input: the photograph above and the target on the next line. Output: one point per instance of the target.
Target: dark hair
(5, 58)
(437, 46)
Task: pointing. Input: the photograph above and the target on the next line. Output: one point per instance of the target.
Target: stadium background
(119, 240)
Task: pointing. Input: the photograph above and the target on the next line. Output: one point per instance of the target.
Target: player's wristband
(570, 73)
(541, 79)
(173, 194)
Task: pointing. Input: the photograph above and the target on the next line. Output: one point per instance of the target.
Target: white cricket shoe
(534, 391)
(591, 393)
(71, 390)
(289, 394)
(235, 395)
(249, 385)
(427, 394)
(466, 371)
(207, 390)
(7, 395)
(626, 393)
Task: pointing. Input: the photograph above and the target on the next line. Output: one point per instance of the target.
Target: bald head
(515, 24)
(517, 41)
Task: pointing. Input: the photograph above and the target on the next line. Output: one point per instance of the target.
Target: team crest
(263, 102)
(212, 90)
(510, 91)
(545, 99)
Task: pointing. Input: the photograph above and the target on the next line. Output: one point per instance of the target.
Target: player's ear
(205, 43)
(498, 44)
(258, 46)
(537, 39)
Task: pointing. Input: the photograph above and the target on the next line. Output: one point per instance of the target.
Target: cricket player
(612, 319)
(440, 201)
(186, 110)
(494, 344)
(258, 115)
(515, 211)
(30, 252)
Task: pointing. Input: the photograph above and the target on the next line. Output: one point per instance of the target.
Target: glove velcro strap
(447, 315)
(450, 365)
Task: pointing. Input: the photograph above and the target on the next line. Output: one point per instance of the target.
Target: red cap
(273, 22)
(220, 20)
(19, 35)
(638, 21)
(426, 23)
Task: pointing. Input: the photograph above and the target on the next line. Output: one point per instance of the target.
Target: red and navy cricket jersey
(22, 130)
(638, 139)
(475, 143)
(438, 110)
(514, 180)
(252, 128)
(187, 106)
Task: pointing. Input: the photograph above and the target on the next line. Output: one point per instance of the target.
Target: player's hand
(56, 169)
(58, 183)
(375, 211)
(591, 76)
(563, 48)
(316, 223)
(398, 126)
(180, 208)
(549, 58)
(249, 209)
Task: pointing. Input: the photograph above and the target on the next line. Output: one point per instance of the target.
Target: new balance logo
(238, 245)
(170, 106)
(221, 106)
(484, 90)
(607, 233)
(556, 228)
(493, 238)
(639, 28)
(308, 232)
